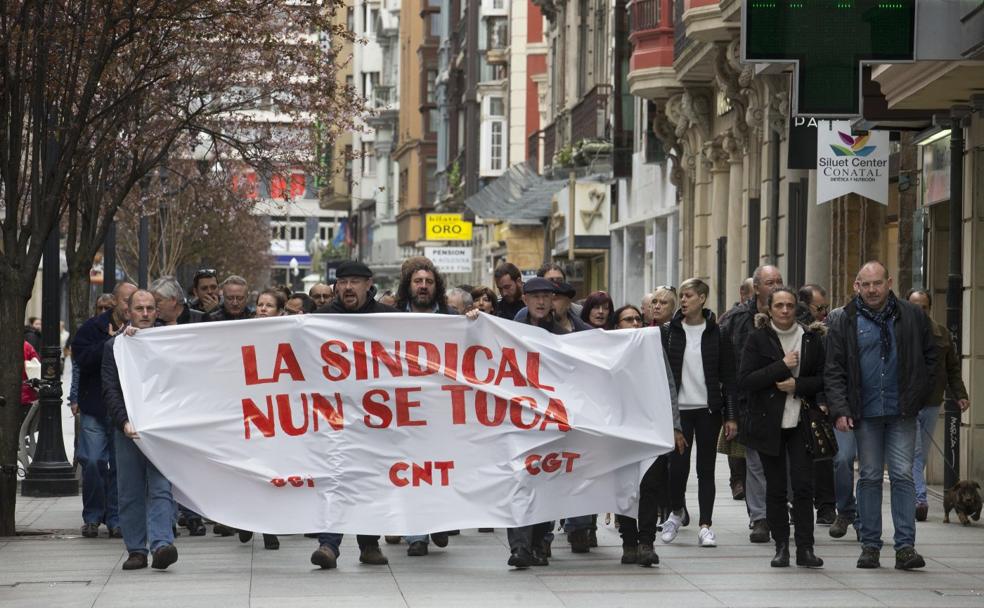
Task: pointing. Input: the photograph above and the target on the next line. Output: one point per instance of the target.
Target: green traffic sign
(828, 40)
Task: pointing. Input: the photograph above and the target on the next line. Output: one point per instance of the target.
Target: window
(350, 19)
(496, 107)
(495, 158)
(434, 24)
(368, 159)
(326, 232)
(431, 86)
(368, 19)
(296, 232)
(370, 80)
(498, 4)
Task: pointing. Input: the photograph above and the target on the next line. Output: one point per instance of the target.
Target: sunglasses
(204, 273)
(632, 319)
(668, 288)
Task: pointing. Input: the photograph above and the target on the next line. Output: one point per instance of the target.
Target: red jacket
(28, 394)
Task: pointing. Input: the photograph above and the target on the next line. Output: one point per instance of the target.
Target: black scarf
(883, 319)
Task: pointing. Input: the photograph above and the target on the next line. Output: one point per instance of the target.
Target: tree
(95, 96)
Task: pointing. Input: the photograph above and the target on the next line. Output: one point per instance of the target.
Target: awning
(518, 196)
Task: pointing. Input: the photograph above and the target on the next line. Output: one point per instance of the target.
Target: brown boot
(136, 561)
(373, 556)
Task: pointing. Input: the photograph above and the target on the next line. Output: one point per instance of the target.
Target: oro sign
(448, 227)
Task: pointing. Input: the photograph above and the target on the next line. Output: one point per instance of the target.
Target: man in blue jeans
(949, 381)
(847, 508)
(881, 358)
(95, 451)
(146, 503)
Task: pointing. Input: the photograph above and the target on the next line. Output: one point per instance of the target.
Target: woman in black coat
(781, 368)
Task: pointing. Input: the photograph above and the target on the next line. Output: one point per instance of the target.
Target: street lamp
(50, 473)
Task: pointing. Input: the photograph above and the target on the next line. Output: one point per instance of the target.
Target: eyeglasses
(822, 308)
(632, 319)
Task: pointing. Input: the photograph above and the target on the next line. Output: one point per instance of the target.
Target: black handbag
(818, 432)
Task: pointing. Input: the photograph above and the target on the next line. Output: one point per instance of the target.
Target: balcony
(651, 73)
(549, 144)
(384, 96)
(703, 21)
(497, 41)
(590, 115)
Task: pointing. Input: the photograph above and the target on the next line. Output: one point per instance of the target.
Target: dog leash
(946, 461)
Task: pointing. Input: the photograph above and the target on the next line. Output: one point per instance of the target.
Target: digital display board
(828, 40)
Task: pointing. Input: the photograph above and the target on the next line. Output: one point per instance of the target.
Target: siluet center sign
(848, 163)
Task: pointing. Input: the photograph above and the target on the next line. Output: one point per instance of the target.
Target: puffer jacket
(718, 357)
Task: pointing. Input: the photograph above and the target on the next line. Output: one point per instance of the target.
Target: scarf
(883, 319)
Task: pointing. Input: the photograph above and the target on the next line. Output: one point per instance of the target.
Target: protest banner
(396, 423)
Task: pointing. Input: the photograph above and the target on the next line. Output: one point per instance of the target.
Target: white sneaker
(706, 538)
(670, 528)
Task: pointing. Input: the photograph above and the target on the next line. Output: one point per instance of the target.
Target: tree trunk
(78, 291)
(13, 305)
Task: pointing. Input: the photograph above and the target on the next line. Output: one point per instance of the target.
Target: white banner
(849, 163)
(396, 423)
(450, 259)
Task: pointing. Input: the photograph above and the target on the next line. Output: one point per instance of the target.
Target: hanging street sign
(827, 41)
(448, 227)
(450, 259)
(849, 163)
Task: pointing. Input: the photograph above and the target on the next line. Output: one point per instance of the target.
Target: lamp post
(50, 473)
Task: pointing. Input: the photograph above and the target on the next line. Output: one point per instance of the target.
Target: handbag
(731, 448)
(818, 432)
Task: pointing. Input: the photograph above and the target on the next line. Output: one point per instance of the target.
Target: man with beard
(354, 280)
(422, 289)
(509, 282)
(738, 323)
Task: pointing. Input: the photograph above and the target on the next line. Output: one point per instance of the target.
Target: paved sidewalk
(62, 569)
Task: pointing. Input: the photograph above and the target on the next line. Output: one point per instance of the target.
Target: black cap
(353, 269)
(566, 289)
(539, 285)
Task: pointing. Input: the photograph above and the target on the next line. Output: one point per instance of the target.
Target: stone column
(717, 161)
(736, 204)
(818, 238)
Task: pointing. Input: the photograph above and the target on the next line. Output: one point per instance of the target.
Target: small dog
(965, 499)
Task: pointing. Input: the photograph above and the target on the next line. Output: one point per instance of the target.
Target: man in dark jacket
(881, 361)
(811, 304)
(96, 452)
(354, 280)
(235, 292)
(738, 323)
(509, 282)
(205, 289)
(146, 504)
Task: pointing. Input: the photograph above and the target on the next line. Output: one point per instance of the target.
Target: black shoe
(182, 520)
(906, 558)
(840, 526)
(373, 556)
(630, 554)
(90, 530)
(537, 558)
(486, 530)
(196, 527)
(454, 532)
(781, 560)
(222, 530)
(271, 542)
(806, 558)
(760, 532)
(245, 536)
(579, 540)
(592, 538)
(440, 539)
(826, 515)
(647, 557)
(325, 558)
(545, 549)
(520, 558)
(417, 549)
(686, 518)
(136, 561)
(116, 532)
(869, 558)
(922, 511)
(164, 557)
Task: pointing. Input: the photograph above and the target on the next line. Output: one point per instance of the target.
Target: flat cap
(352, 268)
(539, 285)
(566, 289)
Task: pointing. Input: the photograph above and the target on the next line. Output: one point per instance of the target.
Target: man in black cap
(354, 279)
(352, 285)
(564, 313)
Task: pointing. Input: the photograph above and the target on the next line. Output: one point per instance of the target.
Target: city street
(57, 567)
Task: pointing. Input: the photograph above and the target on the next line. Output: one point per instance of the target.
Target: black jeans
(700, 427)
(792, 450)
(737, 466)
(823, 484)
(528, 537)
(653, 494)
